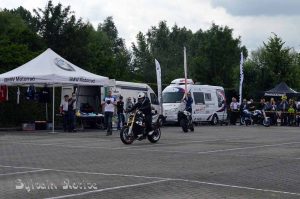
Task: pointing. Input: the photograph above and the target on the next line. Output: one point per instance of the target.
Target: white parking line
(107, 189)
(161, 179)
(239, 187)
(22, 172)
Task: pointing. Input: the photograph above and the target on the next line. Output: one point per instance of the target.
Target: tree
(278, 61)
(143, 60)
(18, 43)
(119, 66)
(216, 56)
(63, 33)
(272, 64)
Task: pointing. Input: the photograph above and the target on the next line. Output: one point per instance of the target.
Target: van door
(199, 107)
(209, 103)
(154, 102)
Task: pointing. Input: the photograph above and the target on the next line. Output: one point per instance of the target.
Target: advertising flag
(159, 87)
(241, 77)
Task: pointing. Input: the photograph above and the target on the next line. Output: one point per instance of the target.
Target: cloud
(253, 20)
(259, 7)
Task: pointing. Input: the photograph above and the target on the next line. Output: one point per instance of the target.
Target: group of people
(143, 104)
(288, 111)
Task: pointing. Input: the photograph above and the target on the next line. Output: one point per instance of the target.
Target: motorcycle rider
(144, 105)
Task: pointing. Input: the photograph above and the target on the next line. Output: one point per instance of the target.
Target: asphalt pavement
(212, 162)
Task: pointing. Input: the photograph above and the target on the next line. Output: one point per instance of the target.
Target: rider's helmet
(141, 96)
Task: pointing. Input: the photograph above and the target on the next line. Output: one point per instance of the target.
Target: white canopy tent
(51, 69)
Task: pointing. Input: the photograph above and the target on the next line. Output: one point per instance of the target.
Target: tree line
(213, 55)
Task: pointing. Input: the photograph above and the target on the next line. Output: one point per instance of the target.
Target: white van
(131, 89)
(93, 95)
(209, 101)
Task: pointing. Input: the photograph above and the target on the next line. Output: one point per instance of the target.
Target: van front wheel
(214, 120)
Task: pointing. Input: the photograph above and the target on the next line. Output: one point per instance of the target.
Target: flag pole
(185, 69)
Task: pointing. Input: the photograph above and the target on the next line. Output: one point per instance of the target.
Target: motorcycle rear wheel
(192, 127)
(125, 138)
(184, 125)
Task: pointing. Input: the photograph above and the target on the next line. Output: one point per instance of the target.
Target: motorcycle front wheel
(155, 136)
(125, 138)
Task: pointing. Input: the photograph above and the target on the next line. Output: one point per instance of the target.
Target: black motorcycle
(185, 120)
(255, 117)
(135, 128)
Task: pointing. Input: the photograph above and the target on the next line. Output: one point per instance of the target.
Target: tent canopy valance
(280, 90)
(51, 69)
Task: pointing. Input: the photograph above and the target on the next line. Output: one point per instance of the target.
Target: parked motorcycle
(185, 121)
(255, 117)
(135, 128)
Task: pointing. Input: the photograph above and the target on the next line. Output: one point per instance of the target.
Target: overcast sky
(253, 20)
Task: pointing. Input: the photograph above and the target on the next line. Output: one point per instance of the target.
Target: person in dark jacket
(283, 107)
(188, 100)
(120, 112)
(144, 105)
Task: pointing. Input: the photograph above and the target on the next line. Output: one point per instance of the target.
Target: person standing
(71, 113)
(188, 100)
(120, 112)
(283, 107)
(234, 107)
(109, 108)
(273, 111)
(129, 105)
(63, 109)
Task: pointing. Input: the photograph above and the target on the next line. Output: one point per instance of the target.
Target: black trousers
(233, 117)
(148, 123)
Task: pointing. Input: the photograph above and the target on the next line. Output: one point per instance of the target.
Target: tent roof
(280, 89)
(50, 68)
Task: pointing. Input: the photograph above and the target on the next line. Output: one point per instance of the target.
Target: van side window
(207, 97)
(154, 99)
(199, 98)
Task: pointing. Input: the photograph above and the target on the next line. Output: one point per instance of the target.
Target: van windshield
(174, 97)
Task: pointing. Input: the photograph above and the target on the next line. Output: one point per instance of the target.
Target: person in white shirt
(234, 107)
(109, 107)
(63, 109)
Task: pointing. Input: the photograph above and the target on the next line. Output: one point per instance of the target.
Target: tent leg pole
(53, 102)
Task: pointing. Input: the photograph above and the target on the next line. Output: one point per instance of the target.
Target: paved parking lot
(213, 162)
